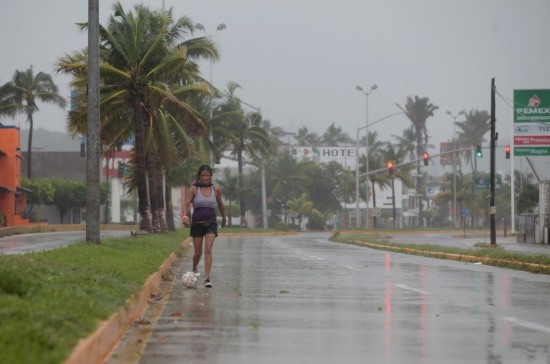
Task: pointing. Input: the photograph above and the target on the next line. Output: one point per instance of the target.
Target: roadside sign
(465, 212)
(531, 118)
(375, 211)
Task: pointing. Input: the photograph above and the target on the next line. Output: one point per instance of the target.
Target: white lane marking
(407, 288)
(527, 324)
(352, 268)
(317, 258)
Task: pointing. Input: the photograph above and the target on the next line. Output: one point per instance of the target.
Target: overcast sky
(300, 61)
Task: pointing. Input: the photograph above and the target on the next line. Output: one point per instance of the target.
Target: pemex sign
(532, 122)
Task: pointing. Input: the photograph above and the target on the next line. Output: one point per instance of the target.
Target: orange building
(13, 197)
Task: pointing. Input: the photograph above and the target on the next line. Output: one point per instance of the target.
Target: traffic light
(507, 152)
(390, 168)
(82, 149)
(479, 152)
(426, 158)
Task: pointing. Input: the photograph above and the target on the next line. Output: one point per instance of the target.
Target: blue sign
(465, 212)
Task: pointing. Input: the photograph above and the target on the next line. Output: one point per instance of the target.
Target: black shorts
(199, 230)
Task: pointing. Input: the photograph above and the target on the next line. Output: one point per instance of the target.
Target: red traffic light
(389, 165)
(507, 152)
(426, 158)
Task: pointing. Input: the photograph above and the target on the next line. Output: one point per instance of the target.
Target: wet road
(303, 299)
(24, 243)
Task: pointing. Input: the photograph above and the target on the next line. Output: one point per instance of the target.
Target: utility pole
(92, 157)
(492, 207)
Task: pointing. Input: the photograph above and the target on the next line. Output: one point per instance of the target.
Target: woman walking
(204, 197)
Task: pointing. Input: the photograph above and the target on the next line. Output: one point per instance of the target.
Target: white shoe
(197, 274)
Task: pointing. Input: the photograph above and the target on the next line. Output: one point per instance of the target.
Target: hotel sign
(531, 122)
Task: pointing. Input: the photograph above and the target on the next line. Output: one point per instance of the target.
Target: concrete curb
(459, 257)
(97, 347)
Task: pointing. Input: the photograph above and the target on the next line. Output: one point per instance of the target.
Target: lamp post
(357, 175)
(366, 93)
(219, 28)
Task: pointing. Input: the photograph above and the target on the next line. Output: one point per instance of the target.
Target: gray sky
(300, 60)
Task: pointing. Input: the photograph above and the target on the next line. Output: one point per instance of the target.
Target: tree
(286, 180)
(21, 95)
(144, 68)
(418, 110)
(403, 173)
(472, 132)
(244, 136)
(305, 138)
(230, 187)
(334, 136)
(301, 206)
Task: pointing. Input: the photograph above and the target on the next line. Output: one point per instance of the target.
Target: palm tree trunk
(241, 189)
(151, 165)
(160, 197)
(141, 181)
(170, 225)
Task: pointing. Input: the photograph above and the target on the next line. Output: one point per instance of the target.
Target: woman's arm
(189, 202)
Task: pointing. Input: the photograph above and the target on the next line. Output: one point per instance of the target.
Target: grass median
(483, 253)
(49, 300)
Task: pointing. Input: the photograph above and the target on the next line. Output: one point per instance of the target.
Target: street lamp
(366, 93)
(357, 175)
(219, 28)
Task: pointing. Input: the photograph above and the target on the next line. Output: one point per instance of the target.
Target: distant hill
(44, 140)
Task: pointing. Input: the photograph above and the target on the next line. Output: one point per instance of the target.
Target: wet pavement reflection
(306, 300)
(25, 243)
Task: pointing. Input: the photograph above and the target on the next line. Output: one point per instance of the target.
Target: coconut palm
(305, 138)
(243, 135)
(230, 186)
(300, 206)
(286, 179)
(472, 132)
(418, 110)
(396, 155)
(334, 136)
(21, 95)
(142, 67)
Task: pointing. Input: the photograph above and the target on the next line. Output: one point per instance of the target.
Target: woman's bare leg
(208, 244)
(197, 245)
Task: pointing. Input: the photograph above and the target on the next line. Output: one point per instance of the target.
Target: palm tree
(21, 95)
(397, 156)
(286, 179)
(307, 139)
(334, 136)
(382, 180)
(418, 110)
(300, 206)
(243, 135)
(142, 68)
(472, 132)
(230, 186)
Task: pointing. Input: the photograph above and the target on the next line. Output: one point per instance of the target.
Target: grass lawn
(496, 256)
(51, 299)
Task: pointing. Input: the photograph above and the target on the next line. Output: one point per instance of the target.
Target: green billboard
(531, 122)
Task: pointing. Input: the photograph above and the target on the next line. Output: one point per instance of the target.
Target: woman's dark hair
(203, 168)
